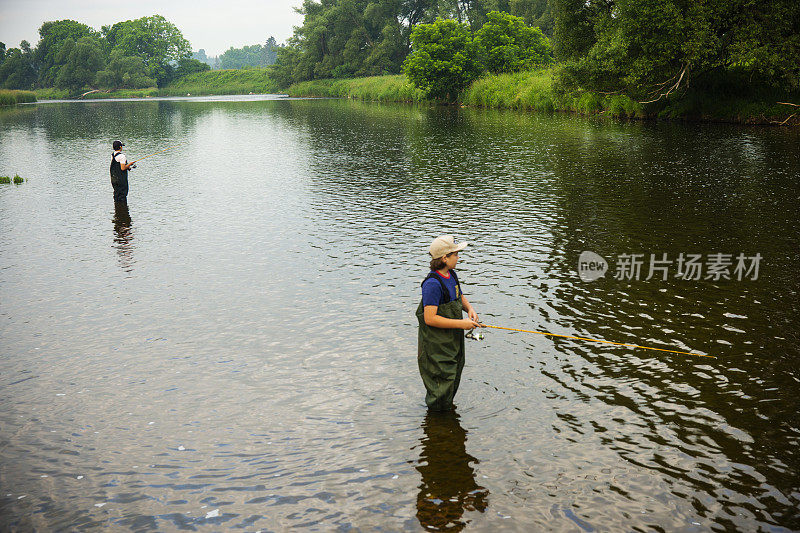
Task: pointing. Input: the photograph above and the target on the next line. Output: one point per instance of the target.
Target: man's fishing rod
(154, 153)
(595, 340)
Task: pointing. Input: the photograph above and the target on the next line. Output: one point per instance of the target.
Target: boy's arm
(438, 321)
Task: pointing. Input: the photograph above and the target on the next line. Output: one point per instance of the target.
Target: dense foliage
(452, 39)
(71, 55)
(639, 50)
(651, 49)
(507, 44)
(644, 49)
(445, 59)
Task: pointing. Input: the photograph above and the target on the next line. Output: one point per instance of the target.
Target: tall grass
(8, 97)
(392, 88)
(229, 81)
(534, 90)
(62, 94)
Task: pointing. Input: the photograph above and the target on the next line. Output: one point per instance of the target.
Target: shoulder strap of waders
(445, 290)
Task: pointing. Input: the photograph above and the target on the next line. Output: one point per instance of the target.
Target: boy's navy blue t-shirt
(432, 290)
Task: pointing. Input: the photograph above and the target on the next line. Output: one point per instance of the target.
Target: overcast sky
(214, 26)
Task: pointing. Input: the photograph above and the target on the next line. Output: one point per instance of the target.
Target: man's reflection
(448, 485)
(123, 236)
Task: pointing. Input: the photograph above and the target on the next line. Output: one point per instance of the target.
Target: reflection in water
(448, 485)
(123, 236)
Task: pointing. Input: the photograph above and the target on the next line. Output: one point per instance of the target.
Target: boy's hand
(473, 315)
(468, 323)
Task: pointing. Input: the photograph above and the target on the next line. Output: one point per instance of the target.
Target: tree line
(71, 55)
(252, 56)
(646, 49)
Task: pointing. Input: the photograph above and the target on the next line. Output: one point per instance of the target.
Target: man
(119, 173)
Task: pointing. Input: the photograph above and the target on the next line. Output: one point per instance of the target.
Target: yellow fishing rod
(596, 340)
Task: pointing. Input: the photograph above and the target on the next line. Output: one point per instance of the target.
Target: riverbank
(231, 81)
(391, 88)
(63, 94)
(8, 97)
(534, 90)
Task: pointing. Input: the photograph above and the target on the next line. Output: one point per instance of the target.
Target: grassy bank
(240, 81)
(63, 94)
(534, 90)
(16, 97)
(243, 81)
(378, 88)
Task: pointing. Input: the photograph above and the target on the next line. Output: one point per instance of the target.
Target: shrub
(444, 59)
(507, 44)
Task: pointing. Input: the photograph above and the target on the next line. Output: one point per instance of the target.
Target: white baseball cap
(445, 244)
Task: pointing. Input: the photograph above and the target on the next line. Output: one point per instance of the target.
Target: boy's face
(451, 259)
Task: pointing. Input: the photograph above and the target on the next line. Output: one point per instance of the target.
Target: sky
(213, 26)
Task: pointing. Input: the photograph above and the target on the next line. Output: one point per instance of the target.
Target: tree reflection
(448, 485)
(123, 235)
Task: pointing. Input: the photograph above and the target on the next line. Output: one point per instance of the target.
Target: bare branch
(675, 86)
(785, 121)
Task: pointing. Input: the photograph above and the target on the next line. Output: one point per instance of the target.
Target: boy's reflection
(123, 236)
(448, 485)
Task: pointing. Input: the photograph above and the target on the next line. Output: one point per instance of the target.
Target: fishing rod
(164, 150)
(594, 340)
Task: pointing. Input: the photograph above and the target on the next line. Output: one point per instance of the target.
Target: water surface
(237, 348)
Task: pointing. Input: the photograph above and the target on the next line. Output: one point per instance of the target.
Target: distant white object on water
(181, 448)
(212, 514)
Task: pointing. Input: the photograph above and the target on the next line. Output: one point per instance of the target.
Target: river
(237, 348)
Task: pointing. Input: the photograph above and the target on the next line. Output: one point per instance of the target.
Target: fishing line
(597, 340)
(164, 150)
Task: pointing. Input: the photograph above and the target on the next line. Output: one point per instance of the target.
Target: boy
(441, 325)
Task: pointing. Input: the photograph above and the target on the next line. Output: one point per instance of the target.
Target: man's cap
(118, 144)
(446, 244)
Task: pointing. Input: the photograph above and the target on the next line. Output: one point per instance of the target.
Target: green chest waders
(440, 354)
(119, 180)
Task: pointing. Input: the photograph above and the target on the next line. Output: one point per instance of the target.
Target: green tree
(270, 51)
(16, 71)
(124, 72)
(650, 49)
(444, 59)
(52, 36)
(507, 44)
(537, 13)
(188, 65)
(156, 40)
(81, 61)
(343, 38)
(574, 26)
(247, 56)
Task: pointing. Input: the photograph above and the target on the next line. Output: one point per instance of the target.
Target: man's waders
(441, 351)
(119, 180)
